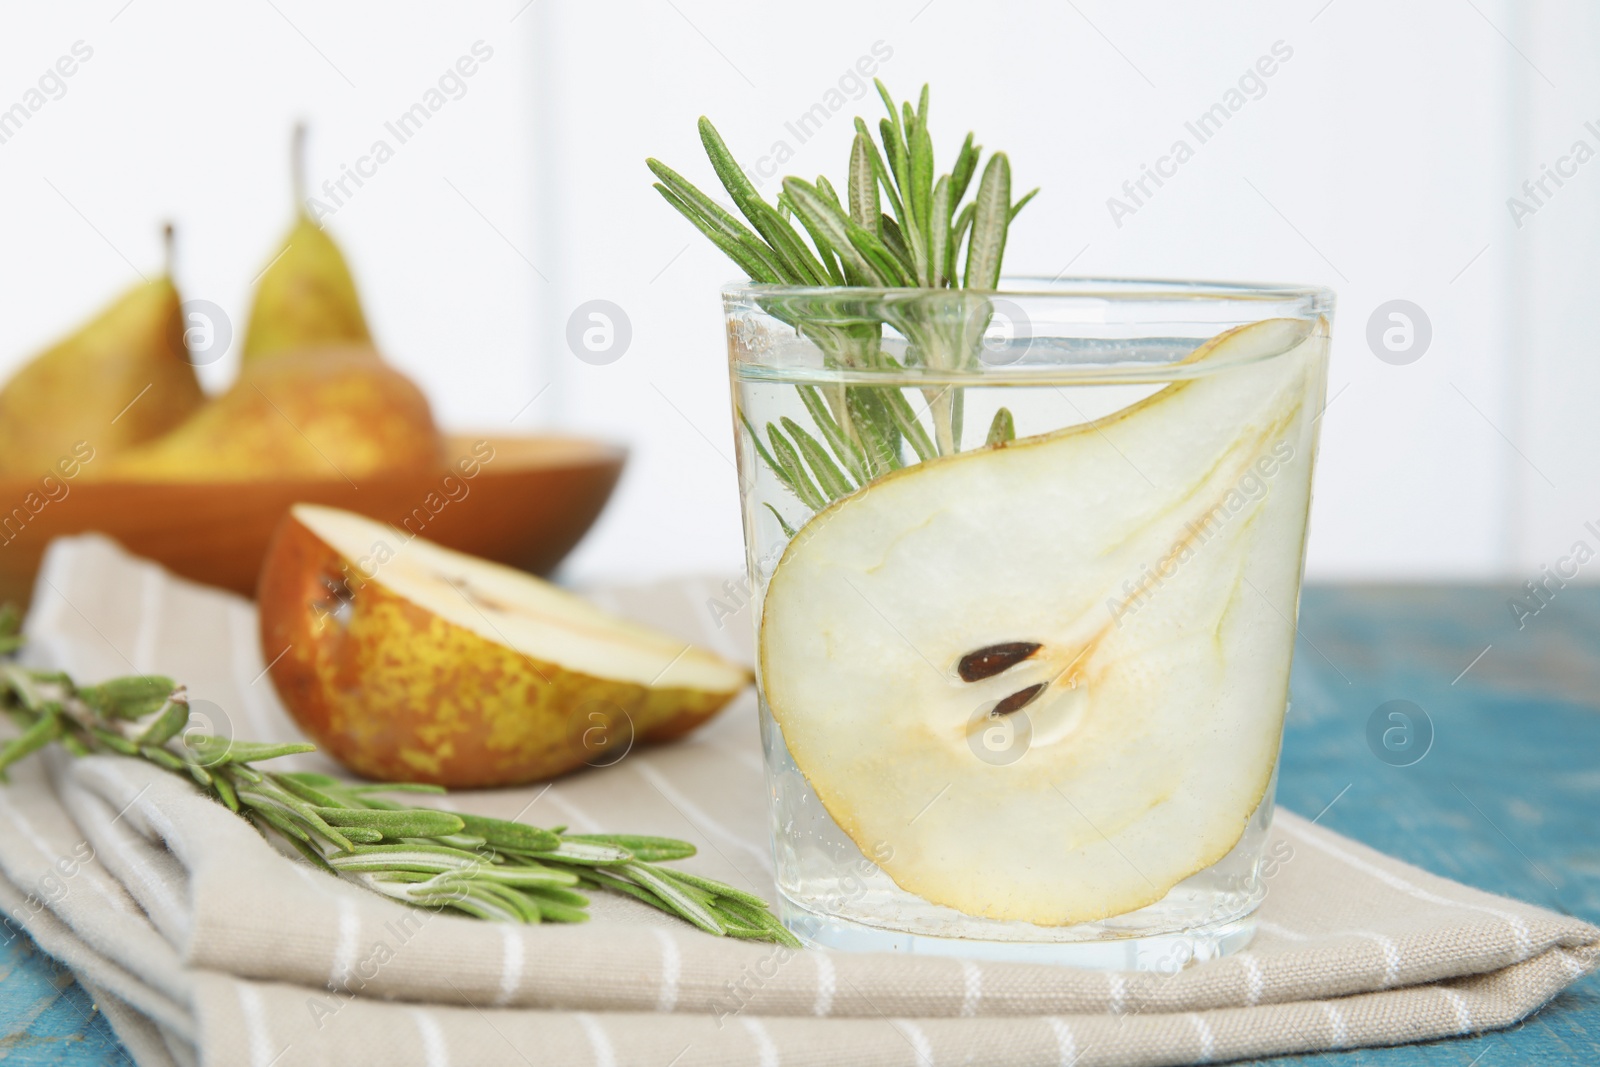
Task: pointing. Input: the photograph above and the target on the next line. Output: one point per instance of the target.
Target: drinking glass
(1027, 565)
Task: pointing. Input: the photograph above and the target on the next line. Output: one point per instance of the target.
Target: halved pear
(1051, 674)
(408, 661)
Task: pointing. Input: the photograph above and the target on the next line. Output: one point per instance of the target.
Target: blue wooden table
(1505, 796)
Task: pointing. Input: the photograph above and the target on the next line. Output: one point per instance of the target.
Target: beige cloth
(204, 944)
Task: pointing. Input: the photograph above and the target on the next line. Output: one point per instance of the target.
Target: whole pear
(306, 296)
(319, 413)
(120, 380)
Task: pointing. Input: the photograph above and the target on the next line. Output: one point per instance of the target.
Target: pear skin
(319, 413)
(306, 298)
(119, 381)
(397, 671)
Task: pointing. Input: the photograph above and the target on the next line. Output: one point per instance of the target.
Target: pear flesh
(121, 380)
(411, 662)
(1121, 595)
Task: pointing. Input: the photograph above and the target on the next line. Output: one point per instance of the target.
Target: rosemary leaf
(879, 438)
(644, 849)
(921, 146)
(114, 741)
(708, 209)
(281, 823)
(210, 750)
(939, 234)
(957, 233)
(501, 834)
(714, 889)
(465, 842)
(161, 757)
(748, 260)
(304, 847)
(863, 185)
(225, 792)
(677, 897)
(1002, 429)
(989, 222)
(879, 168)
(1020, 204)
(25, 688)
(298, 786)
(555, 911)
(894, 153)
(168, 723)
(705, 897)
(829, 477)
(524, 875)
(201, 776)
(792, 472)
(761, 450)
(894, 240)
(906, 419)
(416, 822)
(847, 451)
(40, 733)
(783, 524)
(837, 269)
(586, 853)
(821, 218)
(966, 166)
(599, 879)
(778, 233)
(756, 917)
(133, 697)
(829, 193)
(742, 933)
(560, 895)
(888, 265)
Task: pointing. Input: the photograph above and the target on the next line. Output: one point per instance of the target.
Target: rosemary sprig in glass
(896, 227)
(483, 867)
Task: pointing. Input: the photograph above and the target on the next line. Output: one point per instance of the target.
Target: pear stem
(297, 165)
(168, 247)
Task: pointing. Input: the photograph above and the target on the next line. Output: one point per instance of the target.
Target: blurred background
(1438, 153)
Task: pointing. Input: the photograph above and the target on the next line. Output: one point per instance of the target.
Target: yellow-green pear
(122, 379)
(306, 296)
(326, 413)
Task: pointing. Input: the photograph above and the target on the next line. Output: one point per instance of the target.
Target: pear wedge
(1051, 674)
(120, 380)
(411, 662)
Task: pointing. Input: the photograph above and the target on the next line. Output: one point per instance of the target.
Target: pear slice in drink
(1051, 674)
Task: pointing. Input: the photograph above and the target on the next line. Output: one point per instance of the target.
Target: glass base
(1165, 953)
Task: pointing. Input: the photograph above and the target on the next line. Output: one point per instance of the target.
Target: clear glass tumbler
(1028, 566)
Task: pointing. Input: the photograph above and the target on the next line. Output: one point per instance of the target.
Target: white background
(1378, 161)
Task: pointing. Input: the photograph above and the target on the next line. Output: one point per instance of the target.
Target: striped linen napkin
(204, 944)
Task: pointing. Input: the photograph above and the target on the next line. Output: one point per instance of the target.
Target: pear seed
(990, 661)
(1019, 700)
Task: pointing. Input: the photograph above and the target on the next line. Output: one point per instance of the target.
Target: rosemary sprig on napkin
(483, 867)
(896, 227)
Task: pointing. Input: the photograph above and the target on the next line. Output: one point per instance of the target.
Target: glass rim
(1316, 298)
